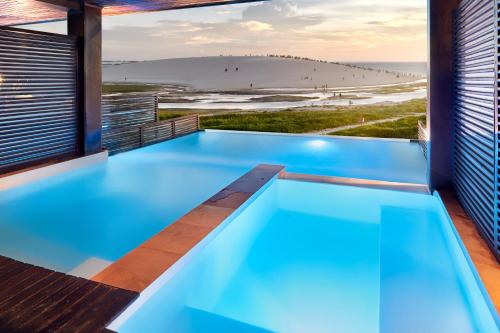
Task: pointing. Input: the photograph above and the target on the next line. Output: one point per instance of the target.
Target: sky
(333, 30)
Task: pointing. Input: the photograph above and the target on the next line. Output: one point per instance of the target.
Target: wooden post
(157, 116)
(86, 24)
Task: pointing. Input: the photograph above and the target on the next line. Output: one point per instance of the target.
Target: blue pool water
(100, 213)
(305, 257)
(389, 160)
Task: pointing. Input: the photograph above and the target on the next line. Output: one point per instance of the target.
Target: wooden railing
(131, 121)
(423, 138)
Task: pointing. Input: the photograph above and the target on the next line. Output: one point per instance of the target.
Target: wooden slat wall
(476, 112)
(127, 110)
(38, 113)
(130, 122)
(121, 116)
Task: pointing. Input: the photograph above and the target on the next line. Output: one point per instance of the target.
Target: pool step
(143, 265)
(204, 321)
(358, 182)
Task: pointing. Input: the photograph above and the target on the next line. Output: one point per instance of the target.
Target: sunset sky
(336, 30)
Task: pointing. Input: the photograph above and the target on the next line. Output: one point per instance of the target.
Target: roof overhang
(18, 12)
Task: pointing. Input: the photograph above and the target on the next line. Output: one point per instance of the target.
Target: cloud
(272, 10)
(204, 40)
(256, 26)
(283, 13)
(353, 30)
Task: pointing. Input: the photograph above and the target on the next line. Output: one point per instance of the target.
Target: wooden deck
(35, 299)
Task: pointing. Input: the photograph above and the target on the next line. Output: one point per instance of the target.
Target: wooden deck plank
(73, 310)
(104, 311)
(35, 316)
(11, 270)
(32, 306)
(35, 299)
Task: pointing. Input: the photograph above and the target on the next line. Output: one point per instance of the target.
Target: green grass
(405, 128)
(166, 114)
(308, 119)
(411, 87)
(115, 88)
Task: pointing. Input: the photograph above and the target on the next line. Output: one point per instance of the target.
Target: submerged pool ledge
(143, 265)
(35, 174)
(357, 182)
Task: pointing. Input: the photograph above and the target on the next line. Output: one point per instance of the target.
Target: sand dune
(227, 73)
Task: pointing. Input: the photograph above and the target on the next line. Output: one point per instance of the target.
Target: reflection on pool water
(95, 215)
(307, 257)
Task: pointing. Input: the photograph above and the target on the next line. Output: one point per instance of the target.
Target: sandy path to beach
(374, 122)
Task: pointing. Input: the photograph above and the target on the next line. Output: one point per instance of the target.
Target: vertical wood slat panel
(38, 111)
(476, 114)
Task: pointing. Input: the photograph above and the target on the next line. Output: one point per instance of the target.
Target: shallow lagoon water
(214, 101)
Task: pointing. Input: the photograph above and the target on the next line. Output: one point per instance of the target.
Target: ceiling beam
(69, 4)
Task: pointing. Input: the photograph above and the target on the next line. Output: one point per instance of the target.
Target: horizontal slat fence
(127, 110)
(131, 121)
(38, 111)
(476, 112)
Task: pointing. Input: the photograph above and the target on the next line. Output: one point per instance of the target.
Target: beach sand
(228, 73)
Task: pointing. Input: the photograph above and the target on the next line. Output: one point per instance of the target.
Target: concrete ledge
(366, 183)
(142, 266)
(306, 135)
(22, 178)
(484, 261)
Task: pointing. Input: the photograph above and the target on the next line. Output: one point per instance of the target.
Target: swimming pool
(81, 221)
(308, 257)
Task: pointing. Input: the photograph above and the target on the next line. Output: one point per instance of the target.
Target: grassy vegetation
(115, 88)
(403, 88)
(405, 128)
(305, 120)
(168, 114)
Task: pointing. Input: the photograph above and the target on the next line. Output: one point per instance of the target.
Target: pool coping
(484, 265)
(35, 174)
(139, 268)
